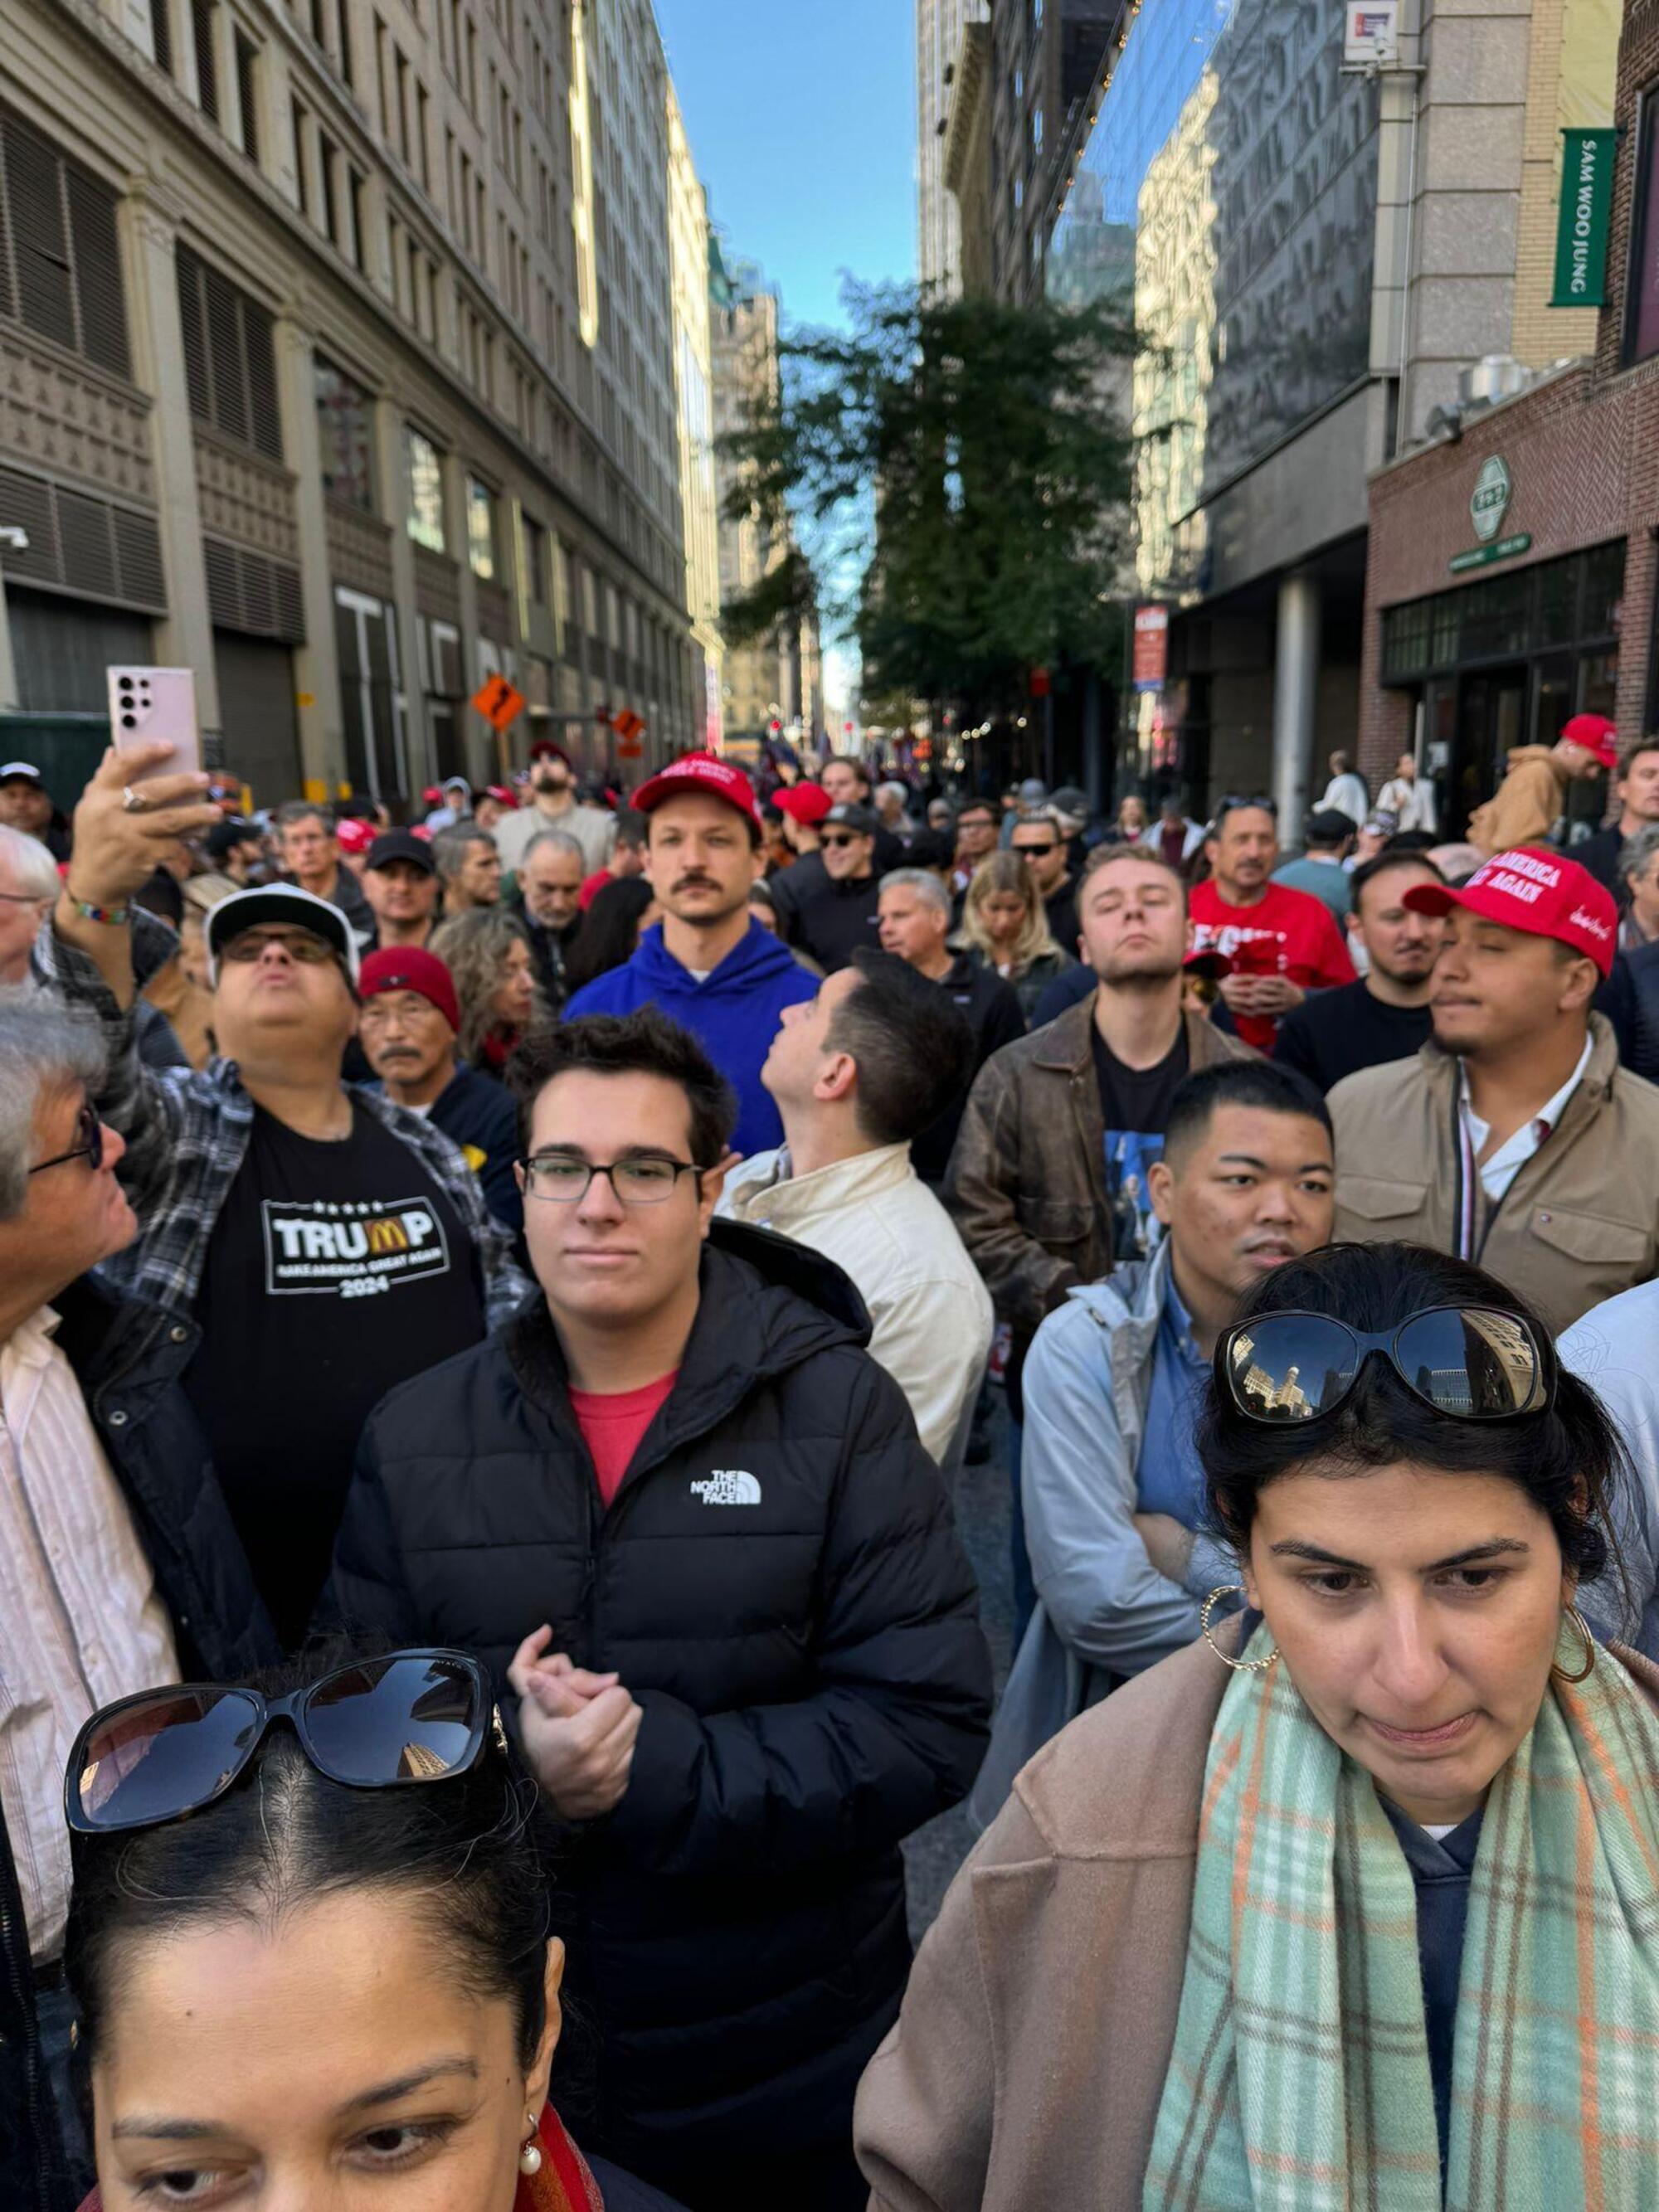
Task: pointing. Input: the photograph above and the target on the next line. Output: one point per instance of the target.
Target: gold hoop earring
(1585, 1637)
(1238, 1666)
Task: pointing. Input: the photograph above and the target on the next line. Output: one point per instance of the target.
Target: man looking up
(708, 964)
(858, 1073)
(1282, 943)
(410, 1022)
(916, 921)
(838, 915)
(554, 806)
(1113, 1496)
(1514, 1138)
(1040, 842)
(400, 883)
(1385, 1015)
(549, 901)
(1534, 790)
(469, 868)
(1636, 787)
(311, 1242)
(678, 1505)
(310, 851)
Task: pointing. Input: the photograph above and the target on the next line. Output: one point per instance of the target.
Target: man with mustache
(1114, 1504)
(708, 964)
(554, 806)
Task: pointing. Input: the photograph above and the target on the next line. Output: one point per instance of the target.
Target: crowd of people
(495, 1311)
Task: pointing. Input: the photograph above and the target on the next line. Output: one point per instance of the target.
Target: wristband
(113, 917)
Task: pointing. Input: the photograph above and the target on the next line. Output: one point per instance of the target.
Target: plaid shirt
(187, 1134)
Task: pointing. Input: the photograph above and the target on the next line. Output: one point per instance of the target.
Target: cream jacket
(875, 1218)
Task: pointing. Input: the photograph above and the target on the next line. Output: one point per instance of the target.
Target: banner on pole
(1581, 236)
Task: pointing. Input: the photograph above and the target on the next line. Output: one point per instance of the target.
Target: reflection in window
(481, 530)
(343, 431)
(424, 481)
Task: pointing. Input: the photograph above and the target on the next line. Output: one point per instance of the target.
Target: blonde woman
(1003, 920)
(486, 952)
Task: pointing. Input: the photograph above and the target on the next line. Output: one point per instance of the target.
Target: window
(481, 530)
(301, 166)
(206, 63)
(230, 358)
(161, 33)
(245, 51)
(60, 268)
(423, 477)
(371, 692)
(535, 562)
(348, 68)
(1642, 323)
(327, 155)
(345, 434)
(1036, 130)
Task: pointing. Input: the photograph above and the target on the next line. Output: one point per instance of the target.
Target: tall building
(1316, 258)
(338, 363)
(939, 28)
(689, 242)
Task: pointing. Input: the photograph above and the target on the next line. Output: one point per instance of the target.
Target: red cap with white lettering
(1541, 891)
(701, 772)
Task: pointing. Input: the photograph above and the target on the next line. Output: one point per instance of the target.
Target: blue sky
(802, 119)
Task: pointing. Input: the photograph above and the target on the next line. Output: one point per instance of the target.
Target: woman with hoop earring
(1356, 1901)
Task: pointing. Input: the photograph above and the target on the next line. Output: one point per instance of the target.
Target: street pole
(12, 540)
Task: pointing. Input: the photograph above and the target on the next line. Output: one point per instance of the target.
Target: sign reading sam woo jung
(1581, 237)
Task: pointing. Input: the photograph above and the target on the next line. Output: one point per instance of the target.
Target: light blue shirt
(1168, 1478)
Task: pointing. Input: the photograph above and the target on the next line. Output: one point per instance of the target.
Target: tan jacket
(1527, 801)
(1027, 1183)
(1579, 1224)
(1027, 2067)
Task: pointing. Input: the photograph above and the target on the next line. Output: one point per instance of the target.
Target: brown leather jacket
(1027, 1182)
(1579, 1224)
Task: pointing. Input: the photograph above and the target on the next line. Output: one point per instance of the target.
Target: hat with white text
(276, 905)
(1539, 891)
(699, 772)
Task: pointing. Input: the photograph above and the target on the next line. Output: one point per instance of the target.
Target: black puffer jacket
(779, 1583)
(127, 1359)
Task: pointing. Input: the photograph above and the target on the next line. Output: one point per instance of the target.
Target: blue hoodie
(734, 1015)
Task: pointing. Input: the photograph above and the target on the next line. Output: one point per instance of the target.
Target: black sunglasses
(1232, 804)
(1470, 1363)
(88, 1141)
(381, 1724)
(833, 839)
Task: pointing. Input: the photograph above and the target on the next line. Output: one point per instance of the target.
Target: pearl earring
(530, 2158)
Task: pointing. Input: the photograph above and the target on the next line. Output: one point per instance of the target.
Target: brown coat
(1027, 2067)
(1579, 1224)
(1027, 1182)
(1525, 809)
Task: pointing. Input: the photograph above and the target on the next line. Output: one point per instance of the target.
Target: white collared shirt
(1499, 1172)
(81, 1623)
(875, 1218)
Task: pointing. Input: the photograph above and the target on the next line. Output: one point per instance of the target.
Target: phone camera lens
(128, 721)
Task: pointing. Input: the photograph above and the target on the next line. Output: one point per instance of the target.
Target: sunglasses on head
(1233, 804)
(88, 1141)
(1470, 1363)
(385, 1723)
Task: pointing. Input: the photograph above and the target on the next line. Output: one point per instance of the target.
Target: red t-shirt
(612, 1422)
(592, 886)
(1287, 933)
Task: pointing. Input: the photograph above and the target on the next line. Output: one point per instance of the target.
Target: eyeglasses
(88, 1145)
(1470, 1363)
(299, 945)
(407, 1717)
(647, 1180)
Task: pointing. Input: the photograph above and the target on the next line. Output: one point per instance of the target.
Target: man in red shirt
(1282, 943)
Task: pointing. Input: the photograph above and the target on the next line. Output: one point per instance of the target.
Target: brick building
(1512, 566)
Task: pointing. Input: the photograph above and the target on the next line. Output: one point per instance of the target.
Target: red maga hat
(410, 968)
(353, 835)
(699, 772)
(806, 803)
(1532, 889)
(1596, 735)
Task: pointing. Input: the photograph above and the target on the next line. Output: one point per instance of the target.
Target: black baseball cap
(401, 845)
(225, 836)
(859, 819)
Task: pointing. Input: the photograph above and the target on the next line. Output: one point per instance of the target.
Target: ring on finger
(132, 802)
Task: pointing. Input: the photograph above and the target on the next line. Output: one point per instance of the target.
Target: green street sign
(1581, 237)
(1501, 549)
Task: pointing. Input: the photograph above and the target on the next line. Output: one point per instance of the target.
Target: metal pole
(13, 541)
(1295, 699)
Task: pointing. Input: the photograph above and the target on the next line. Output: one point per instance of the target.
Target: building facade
(939, 28)
(694, 374)
(1315, 254)
(337, 363)
(1514, 571)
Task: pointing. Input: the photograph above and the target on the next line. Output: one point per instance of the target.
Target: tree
(961, 472)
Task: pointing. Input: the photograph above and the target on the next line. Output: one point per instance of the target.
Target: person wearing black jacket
(122, 1563)
(548, 902)
(680, 1509)
(1636, 787)
(830, 921)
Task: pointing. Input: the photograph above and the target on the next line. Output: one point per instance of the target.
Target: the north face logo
(727, 1486)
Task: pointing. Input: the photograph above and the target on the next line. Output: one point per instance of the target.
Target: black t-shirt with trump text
(335, 1270)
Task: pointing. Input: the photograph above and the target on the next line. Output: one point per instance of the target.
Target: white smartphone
(147, 705)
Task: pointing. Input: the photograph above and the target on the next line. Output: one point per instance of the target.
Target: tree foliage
(959, 471)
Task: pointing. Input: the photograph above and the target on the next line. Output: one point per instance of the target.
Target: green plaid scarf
(1300, 2074)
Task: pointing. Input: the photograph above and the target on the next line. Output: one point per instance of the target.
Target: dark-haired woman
(610, 930)
(331, 1983)
(1355, 1904)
